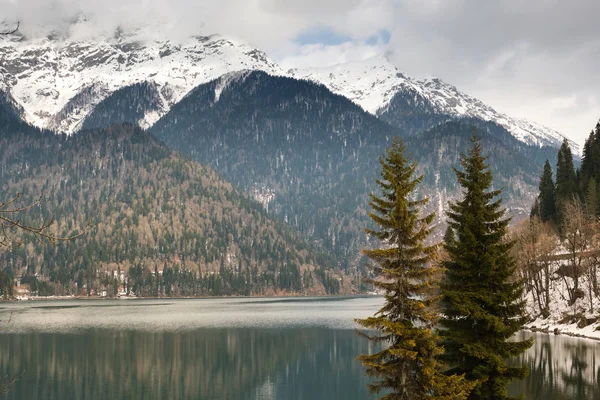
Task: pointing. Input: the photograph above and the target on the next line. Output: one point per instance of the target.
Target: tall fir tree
(449, 236)
(587, 169)
(547, 206)
(591, 198)
(535, 209)
(407, 368)
(566, 180)
(590, 162)
(482, 298)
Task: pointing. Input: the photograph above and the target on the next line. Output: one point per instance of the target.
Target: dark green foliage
(590, 163)
(589, 172)
(407, 368)
(129, 104)
(449, 237)
(6, 286)
(483, 306)
(535, 209)
(546, 199)
(566, 180)
(294, 138)
(591, 198)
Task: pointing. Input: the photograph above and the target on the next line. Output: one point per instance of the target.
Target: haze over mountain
(59, 81)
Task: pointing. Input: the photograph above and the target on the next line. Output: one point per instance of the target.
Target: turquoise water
(226, 349)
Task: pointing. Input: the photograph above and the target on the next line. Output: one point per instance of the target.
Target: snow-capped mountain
(59, 81)
(373, 84)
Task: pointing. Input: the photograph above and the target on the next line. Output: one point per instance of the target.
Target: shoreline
(284, 296)
(563, 330)
(549, 329)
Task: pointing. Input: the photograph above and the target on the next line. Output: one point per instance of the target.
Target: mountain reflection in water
(251, 349)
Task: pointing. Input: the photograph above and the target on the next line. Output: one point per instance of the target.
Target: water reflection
(229, 349)
(561, 368)
(208, 364)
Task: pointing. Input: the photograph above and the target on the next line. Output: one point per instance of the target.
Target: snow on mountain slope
(374, 82)
(370, 83)
(59, 81)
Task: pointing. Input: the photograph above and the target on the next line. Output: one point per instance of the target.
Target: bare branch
(9, 220)
(19, 209)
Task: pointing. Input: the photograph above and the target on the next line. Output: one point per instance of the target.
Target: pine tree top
(480, 210)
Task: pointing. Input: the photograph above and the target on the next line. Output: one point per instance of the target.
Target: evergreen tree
(483, 306)
(566, 182)
(587, 169)
(591, 198)
(590, 163)
(408, 368)
(547, 208)
(535, 209)
(449, 237)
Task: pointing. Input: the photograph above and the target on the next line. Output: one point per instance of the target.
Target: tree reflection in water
(206, 364)
(561, 368)
(245, 363)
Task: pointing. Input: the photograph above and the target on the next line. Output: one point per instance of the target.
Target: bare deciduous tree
(579, 232)
(535, 244)
(11, 230)
(10, 224)
(591, 264)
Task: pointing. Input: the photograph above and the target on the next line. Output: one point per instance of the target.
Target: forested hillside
(515, 164)
(132, 104)
(312, 156)
(170, 225)
(308, 154)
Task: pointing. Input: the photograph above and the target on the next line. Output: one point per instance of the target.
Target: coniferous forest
(158, 224)
(298, 156)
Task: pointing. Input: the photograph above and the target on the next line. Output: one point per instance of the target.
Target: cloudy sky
(537, 59)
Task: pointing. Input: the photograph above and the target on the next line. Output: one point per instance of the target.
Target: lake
(243, 348)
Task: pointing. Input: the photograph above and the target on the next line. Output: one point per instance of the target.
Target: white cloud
(318, 55)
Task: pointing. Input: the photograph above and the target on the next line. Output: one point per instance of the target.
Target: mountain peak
(59, 81)
(374, 82)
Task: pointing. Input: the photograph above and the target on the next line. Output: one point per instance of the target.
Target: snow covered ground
(580, 319)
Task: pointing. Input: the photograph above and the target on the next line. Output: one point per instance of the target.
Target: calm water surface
(226, 349)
